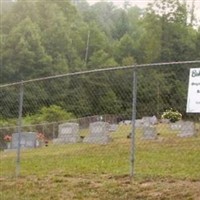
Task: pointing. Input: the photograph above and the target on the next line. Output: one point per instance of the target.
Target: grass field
(166, 168)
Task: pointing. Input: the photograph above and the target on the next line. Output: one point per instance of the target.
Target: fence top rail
(134, 66)
(53, 122)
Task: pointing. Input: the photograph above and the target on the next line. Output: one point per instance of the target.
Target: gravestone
(28, 140)
(153, 120)
(146, 121)
(165, 121)
(149, 133)
(98, 133)
(187, 129)
(113, 127)
(138, 123)
(67, 133)
(149, 130)
(176, 126)
(127, 122)
(150, 120)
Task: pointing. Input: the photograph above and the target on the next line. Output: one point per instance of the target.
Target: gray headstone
(153, 120)
(127, 122)
(138, 123)
(28, 140)
(113, 127)
(67, 133)
(187, 129)
(98, 133)
(146, 121)
(149, 133)
(165, 121)
(176, 126)
(150, 120)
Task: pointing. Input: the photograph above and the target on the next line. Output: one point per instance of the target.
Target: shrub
(52, 113)
(172, 115)
(55, 113)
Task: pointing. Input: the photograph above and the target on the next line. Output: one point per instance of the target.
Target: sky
(144, 3)
(139, 3)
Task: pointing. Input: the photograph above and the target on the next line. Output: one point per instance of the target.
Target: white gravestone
(67, 133)
(98, 133)
(187, 129)
(27, 140)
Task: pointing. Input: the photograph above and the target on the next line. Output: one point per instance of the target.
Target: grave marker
(28, 140)
(149, 131)
(187, 129)
(67, 133)
(176, 126)
(98, 133)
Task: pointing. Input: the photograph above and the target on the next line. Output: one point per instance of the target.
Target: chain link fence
(102, 121)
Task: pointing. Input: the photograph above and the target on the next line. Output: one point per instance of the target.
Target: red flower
(7, 138)
(40, 136)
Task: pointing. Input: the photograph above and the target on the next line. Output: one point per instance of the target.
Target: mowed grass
(166, 168)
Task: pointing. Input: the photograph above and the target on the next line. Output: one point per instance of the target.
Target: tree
(125, 48)
(23, 46)
(150, 42)
(101, 59)
(109, 103)
(121, 24)
(100, 13)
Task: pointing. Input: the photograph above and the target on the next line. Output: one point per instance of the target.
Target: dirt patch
(168, 189)
(102, 187)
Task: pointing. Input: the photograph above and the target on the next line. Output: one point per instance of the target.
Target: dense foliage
(42, 39)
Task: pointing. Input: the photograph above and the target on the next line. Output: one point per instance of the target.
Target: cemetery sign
(193, 98)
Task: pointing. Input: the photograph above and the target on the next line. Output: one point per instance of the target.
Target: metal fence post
(54, 128)
(19, 128)
(133, 122)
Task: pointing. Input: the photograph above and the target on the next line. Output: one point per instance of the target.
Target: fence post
(133, 122)
(19, 127)
(54, 135)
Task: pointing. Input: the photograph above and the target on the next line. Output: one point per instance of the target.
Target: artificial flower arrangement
(172, 115)
(7, 138)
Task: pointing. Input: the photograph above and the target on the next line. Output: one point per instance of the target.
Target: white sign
(193, 99)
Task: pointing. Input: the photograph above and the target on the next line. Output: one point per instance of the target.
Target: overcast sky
(140, 3)
(143, 4)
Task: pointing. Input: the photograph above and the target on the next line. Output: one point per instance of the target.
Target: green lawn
(103, 170)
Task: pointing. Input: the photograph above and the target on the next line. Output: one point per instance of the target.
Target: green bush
(172, 115)
(52, 113)
(7, 122)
